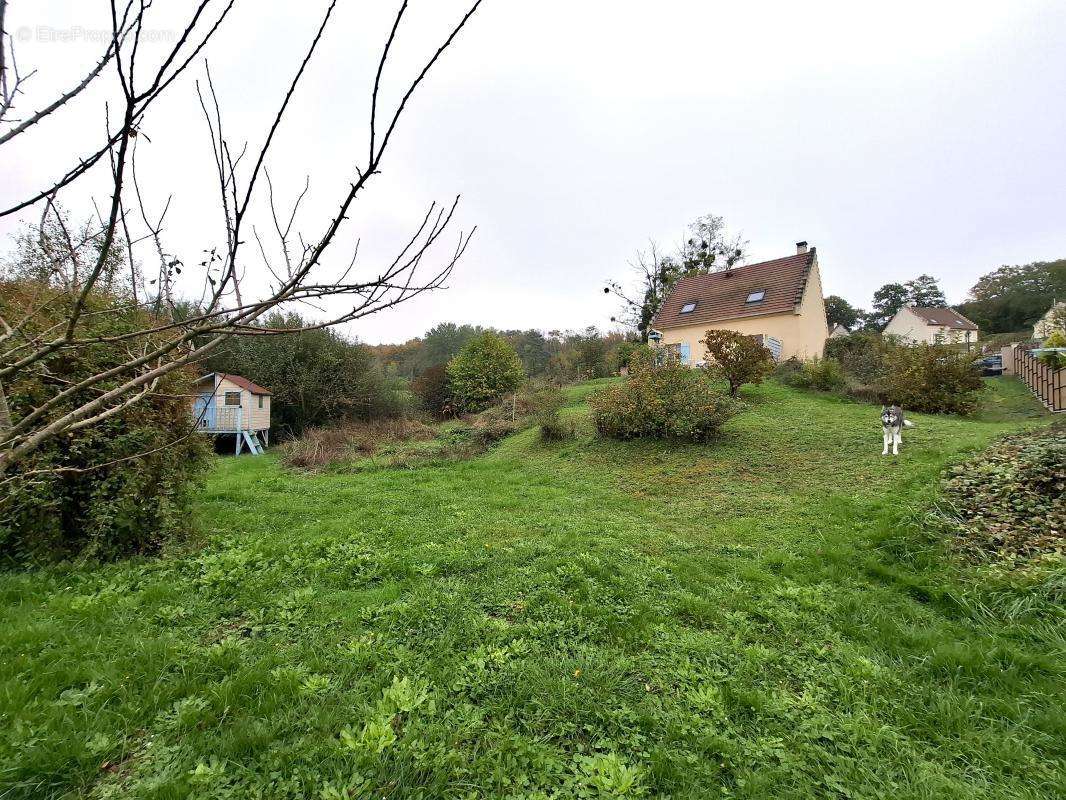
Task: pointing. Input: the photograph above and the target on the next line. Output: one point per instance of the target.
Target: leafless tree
(171, 343)
(655, 273)
(707, 248)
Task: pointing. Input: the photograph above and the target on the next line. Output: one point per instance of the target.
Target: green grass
(577, 394)
(1009, 399)
(761, 617)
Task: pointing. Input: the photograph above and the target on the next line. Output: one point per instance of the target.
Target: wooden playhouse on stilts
(229, 405)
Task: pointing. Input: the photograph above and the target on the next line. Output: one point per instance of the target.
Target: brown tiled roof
(723, 295)
(947, 317)
(244, 383)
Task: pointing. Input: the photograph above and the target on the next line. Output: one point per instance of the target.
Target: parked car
(990, 365)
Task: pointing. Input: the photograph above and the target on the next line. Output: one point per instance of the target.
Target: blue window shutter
(686, 353)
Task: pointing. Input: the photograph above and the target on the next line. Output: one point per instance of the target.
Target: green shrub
(824, 374)
(1056, 339)
(785, 370)
(1010, 501)
(119, 486)
(549, 402)
(861, 355)
(1054, 360)
(931, 378)
(737, 358)
(875, 369)
(668, 401)
(486, 368)
(623, 355)
(431, 388)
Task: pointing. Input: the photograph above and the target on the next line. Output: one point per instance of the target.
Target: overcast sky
(898, 138)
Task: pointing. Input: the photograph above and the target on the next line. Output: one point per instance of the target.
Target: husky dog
(892, 425)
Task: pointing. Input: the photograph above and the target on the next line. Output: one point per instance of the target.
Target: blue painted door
(686, 353)
(204, 410)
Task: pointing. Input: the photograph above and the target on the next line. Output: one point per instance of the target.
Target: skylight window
(688, 308)
(756, 297)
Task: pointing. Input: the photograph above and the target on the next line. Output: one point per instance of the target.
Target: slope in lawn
(593, 619)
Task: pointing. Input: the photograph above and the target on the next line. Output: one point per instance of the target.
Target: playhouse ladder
(253, 443)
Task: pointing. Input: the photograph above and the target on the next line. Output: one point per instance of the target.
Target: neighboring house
(230, 404)
(916, 325)
(779, 301)
(1053, 320)
(838, 331)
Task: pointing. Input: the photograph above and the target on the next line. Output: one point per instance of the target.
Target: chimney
(801, 248)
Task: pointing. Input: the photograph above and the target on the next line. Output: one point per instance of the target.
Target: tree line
(560, 355)
(319, 376)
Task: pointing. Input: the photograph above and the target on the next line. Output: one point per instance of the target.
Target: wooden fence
(1048, 384)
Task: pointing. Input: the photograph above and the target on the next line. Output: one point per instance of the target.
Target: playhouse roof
(244, 383)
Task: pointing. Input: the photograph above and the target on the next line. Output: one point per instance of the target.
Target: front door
(204, 411)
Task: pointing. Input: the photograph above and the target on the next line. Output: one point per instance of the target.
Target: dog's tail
(908, 424)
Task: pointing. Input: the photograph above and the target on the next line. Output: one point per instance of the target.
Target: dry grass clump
(409, 443)
(320, 447)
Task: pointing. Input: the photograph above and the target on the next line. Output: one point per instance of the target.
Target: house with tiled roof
(779, 301)
(917, 325)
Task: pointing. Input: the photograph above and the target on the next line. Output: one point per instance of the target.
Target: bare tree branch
(64, 98)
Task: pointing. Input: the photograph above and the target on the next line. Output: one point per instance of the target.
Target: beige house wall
(260, 416)
(802, 332)
(909, 327)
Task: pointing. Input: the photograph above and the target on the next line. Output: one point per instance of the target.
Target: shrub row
(867, 368)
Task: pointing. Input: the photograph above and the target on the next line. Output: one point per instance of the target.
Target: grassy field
(762, 617)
